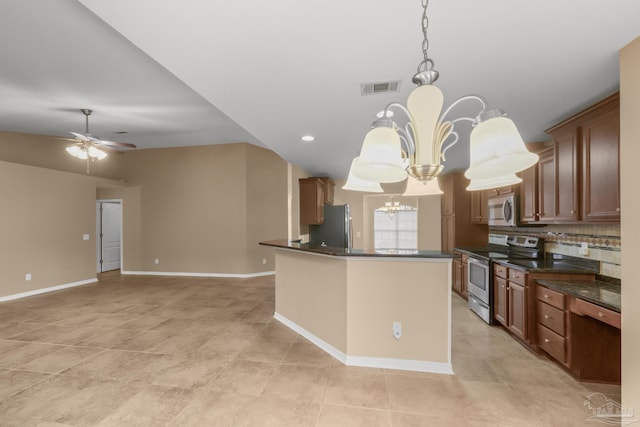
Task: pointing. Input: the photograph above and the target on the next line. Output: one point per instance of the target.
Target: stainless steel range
(480, 268)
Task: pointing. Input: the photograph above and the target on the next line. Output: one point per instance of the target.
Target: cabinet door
(567, 173)
(601, 168)
(500, 300)
(457, 276)
(447, 186)
(311, 201)
(448, 233)
(546, 186)
(479, 207)
(529, 194)
(517, 308)
(465, 279)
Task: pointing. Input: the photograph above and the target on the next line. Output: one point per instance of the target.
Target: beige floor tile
(244, 377)
(357, 389)
(265, 351)
(11, 329)
(344, 416)
(207, 352)
(436, 395)
(59, 360)
(303, 383)
(25, 353)
(12, 382)
(111, 364)
(307, 354)
(190, 372)
(214, 409)
(268, 411)
(151, 406)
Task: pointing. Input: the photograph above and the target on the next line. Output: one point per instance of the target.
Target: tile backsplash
(602, 242)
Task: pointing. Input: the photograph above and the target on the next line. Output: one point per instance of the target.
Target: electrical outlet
(27, 277)
(584, 248)
(156, 261)
(397, 330)
(85, 237)
(264, 261)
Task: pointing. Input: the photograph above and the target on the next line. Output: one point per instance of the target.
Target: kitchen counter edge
(587, 290)
(346, 252)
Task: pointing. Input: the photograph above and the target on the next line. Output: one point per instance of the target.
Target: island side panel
(311, 292)
(413, 292)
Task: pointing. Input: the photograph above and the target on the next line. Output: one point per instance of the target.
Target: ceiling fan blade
(81, 136)
(110, 150)
(116, 144)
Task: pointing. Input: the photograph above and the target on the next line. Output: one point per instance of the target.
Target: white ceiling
(203, 72)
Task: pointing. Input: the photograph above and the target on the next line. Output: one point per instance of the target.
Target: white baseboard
(183, 274)
(368, 362)
(49, 289)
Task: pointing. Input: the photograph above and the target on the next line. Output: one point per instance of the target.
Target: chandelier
(391, 152)
(392, 207)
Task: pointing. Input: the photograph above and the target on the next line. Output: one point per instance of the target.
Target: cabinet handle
(572, 211)
(546, 296)
(617, 209)
(547, 340)
(600, 314)
(546, 316)
(503, 286)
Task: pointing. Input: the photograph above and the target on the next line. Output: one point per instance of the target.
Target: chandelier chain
(427, 62)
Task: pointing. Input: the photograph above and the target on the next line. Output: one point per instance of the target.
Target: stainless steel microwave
(503, 210)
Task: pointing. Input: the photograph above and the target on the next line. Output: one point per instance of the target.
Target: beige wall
(204, 209)
(296, 230)
(630, 229)
(319, 302)
(267, 209)
(351, 304)
(49, 152)
(414, 293)
(43, 216)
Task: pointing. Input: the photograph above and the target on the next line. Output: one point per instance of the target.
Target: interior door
(110, 214)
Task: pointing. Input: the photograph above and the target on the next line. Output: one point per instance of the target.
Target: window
(395, 227)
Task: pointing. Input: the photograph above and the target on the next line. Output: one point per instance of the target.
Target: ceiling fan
(90, 147)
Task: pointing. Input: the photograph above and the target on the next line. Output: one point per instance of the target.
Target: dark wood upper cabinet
(546, 186)
(567, 161)
(579, 178)
(479, 207)
(529, 194)
(601, 165)
(311, 201)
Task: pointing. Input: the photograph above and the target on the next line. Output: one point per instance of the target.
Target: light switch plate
(85, 237)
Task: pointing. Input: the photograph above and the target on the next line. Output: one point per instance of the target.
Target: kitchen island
(349, 302)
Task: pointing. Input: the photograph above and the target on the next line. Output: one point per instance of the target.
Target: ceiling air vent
(380, 87)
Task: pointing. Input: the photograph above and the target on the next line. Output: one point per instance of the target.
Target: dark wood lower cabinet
(500, 300)
(583, 337)
(517, 320)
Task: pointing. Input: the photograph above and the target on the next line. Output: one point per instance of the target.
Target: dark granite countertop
(547, 265)
(604, 294)
(346, 252)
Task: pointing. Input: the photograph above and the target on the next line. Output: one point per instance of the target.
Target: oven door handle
(478, 262)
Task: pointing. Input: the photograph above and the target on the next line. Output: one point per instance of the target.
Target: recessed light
(308, 138)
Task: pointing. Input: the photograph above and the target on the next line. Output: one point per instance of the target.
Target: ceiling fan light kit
(89, 147)
(390, 153)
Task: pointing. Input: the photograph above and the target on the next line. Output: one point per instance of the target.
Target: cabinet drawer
(516, 276)
(551, 317)
(553, 298)
(602, 314)
(552, 343)
(500, 270)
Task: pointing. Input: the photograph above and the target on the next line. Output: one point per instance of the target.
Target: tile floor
(158, 351)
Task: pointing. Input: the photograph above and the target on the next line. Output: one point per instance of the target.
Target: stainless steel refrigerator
(335, 230)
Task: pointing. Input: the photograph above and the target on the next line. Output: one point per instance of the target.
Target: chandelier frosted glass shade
(497, 150)
(358, 184)
(422, 188)
(381, 157)
(500, 181)
(77, 151)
